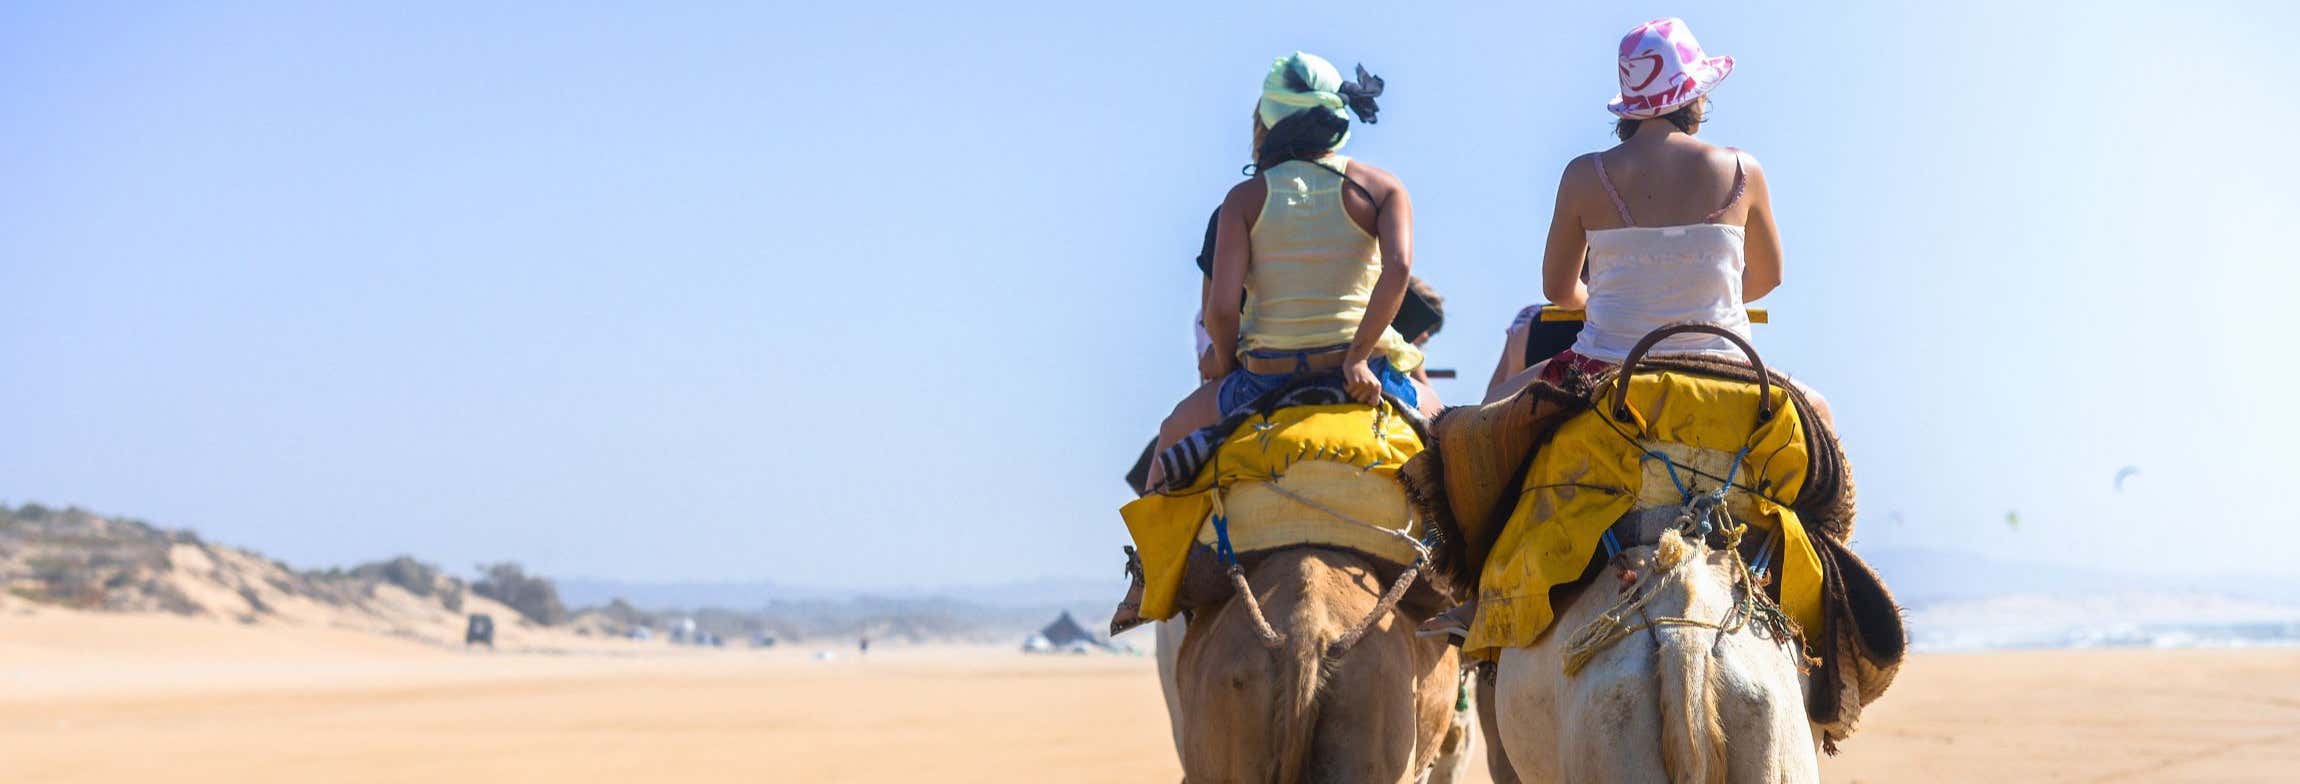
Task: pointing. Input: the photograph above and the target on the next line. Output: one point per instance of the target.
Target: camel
(1459, 750)
(1489, 727)
(1377, 712)
(1456, 753)
(1673, 689)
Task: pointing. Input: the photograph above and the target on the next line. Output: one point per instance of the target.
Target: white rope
(1420, 550)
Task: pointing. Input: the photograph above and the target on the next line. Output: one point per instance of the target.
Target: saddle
(1320, 475)
(1527, 495)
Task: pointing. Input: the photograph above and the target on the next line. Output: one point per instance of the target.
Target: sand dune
(120, 698)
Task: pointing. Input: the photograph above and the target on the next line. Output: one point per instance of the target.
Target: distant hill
(74, 559)
(78, 560)
(739, 610)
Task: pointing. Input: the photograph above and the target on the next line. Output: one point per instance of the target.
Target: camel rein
(1271, 638)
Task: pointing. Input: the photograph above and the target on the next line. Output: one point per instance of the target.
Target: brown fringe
(1423, 477)
(1455, 557)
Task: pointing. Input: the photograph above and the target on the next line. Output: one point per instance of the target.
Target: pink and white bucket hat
(1663, 68)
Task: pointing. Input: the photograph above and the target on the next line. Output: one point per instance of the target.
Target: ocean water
(2122, 620)
(2249, 634)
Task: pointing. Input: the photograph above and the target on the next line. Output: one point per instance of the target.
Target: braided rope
(1391, 596)
(1388, 603)
(1271, 639)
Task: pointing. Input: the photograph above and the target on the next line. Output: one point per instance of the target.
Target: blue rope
(1222, 541)
(1684, 495)
(1732, 471)
(1706, 505)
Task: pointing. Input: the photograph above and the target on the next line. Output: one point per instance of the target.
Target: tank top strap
(1740, 185)
(1618, 205)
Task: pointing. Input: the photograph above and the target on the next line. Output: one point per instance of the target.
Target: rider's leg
(1515, 383)
(1202, 408)
(1820, 404)
(1426, 399)
(1512, 352)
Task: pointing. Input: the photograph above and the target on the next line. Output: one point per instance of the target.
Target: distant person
(1663, 228)
(864, 646)
(1321, 247)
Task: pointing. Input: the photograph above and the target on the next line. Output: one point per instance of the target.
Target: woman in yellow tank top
(1311, 258)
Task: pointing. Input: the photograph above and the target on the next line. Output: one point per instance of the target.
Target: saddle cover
(1268, 480)
(1593, 469)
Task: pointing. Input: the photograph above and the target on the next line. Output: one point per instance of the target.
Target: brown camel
(1254, 715)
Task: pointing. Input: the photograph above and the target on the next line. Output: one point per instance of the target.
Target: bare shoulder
(1750, 168)
(1248, 193)
(1375, 178)
(1579, 180)
(1582, 169)
(1732, 156)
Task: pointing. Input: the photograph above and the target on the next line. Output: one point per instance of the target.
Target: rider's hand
(1359, 380)
(1214, 363)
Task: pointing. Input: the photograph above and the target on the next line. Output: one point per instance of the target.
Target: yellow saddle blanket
(1321, 475)
(1596, 469)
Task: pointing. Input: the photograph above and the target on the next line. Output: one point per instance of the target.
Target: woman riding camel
(1318, 248)
(1663, 228)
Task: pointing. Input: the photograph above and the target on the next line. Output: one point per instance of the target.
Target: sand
(97, 698)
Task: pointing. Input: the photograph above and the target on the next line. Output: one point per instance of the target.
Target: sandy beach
(111, 698)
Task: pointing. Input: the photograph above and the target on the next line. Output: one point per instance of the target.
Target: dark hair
(1428, 294)
(1684, 118)
(1302, 135)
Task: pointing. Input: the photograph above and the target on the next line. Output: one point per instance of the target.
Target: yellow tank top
(1312, 269)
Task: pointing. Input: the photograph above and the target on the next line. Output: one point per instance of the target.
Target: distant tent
(1065, 633)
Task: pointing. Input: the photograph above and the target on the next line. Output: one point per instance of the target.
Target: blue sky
(870, 294)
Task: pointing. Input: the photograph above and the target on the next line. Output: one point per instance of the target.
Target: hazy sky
(864, 294)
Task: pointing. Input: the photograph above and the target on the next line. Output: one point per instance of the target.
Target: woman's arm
(1561, 259)
(1225, 293)
(1513, 349)
(1763, 273)
(1395, 230)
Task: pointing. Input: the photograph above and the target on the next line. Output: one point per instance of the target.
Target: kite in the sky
(2124, 473)
(2012, 520)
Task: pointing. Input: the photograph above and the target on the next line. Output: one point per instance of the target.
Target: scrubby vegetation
(75, 558)
(534, 597)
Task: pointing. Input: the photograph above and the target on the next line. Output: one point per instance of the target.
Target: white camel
(1671, 679)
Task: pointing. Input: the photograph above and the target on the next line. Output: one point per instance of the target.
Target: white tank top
(1644, 278)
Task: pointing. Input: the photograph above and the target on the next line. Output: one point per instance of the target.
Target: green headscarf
(1304, 82)
(1280, 99)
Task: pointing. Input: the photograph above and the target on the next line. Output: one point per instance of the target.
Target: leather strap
(1629, 367)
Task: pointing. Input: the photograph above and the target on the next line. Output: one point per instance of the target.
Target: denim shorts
(1244, 386)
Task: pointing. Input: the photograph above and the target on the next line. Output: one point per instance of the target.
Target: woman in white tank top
(1663, 228)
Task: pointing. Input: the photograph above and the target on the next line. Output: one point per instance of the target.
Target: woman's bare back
(1672, 182)
(1663, 179)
